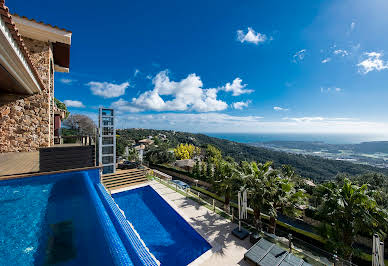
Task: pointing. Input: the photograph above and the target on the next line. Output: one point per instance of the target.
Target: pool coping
(16, 176)
(215, 246)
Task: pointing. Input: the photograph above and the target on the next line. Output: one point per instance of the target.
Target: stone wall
(26, 120)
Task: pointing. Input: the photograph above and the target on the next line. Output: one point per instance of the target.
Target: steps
(124, 178)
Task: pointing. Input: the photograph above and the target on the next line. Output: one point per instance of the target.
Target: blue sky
(235, 66)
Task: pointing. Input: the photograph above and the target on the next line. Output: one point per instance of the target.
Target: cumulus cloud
(326, 60)
(277, 108)
(372, 61)
(137, 71)
(241, 105)
(236, 87)
(72, 103)
(106, 89)
(341, 52)
(299, 56)
(251, 36)
(187, 94)
(67, 81)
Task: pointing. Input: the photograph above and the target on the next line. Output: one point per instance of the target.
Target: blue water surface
(50, 220)
(168, 236)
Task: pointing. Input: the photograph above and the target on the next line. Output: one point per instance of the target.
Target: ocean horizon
(326, 138)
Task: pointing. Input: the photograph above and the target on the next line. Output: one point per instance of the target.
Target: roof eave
(15, 62)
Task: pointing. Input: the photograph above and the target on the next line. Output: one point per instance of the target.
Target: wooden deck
(14, 163)
(19, 163)
(123, 178)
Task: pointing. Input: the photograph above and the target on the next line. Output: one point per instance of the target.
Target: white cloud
(304, 119)
(236, 87)
(67, 81)
(72, 103)
(326, 60)
(241, 105)
(299, 56)
(137, 71)
(218, 122)
(372, 61)
(187, 94)
(277, 108)
(107, 90)
(123, 106)
(308, 119)
(251, 36)
(330, 89)
(341, 52)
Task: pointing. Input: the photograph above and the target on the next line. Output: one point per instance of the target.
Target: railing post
(290, 242)
(214, 206)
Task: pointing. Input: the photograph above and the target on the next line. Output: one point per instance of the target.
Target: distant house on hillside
(146, 142)
(187, 164)
(30, 52)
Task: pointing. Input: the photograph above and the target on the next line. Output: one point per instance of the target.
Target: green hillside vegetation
(316, 168)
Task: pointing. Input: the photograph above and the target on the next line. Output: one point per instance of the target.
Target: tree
(159, 155)
(225, 181)
(196, 170)
(203, 171)
(133, 155)
(62, 106)
(81, 124)
(186, 151)
(254, 176)
(213, 154)
(282, 196)
(209, 170)
(347, 209)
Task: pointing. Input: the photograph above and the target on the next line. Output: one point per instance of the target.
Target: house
(187, 164)
(146, 142)
(31, 52)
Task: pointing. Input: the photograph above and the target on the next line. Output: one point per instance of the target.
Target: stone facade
(26, 121)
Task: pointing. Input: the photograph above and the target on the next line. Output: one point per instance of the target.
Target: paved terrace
(226, 248)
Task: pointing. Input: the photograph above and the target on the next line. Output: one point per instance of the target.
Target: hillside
(316, 168)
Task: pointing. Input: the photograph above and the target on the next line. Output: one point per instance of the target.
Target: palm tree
(225, 181)
(282, 196)
(254, 176)
(347, 209)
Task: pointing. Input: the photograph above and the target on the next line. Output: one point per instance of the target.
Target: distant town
(368, 153)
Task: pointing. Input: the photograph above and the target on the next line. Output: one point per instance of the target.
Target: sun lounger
(265, 253)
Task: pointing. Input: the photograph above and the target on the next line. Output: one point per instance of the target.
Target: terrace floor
(13, 163)
(226, 248)
(19, 162)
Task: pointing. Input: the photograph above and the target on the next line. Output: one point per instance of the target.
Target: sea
(326, 138)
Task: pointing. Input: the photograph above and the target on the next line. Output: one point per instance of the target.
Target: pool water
(50, 220)
(168, 236)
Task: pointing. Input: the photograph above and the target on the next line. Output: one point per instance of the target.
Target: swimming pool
(61, 219)
(168, 236)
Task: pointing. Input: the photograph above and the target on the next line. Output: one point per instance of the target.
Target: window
(107, 131)
(107, 141)
(107, 159)
(107, 150)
